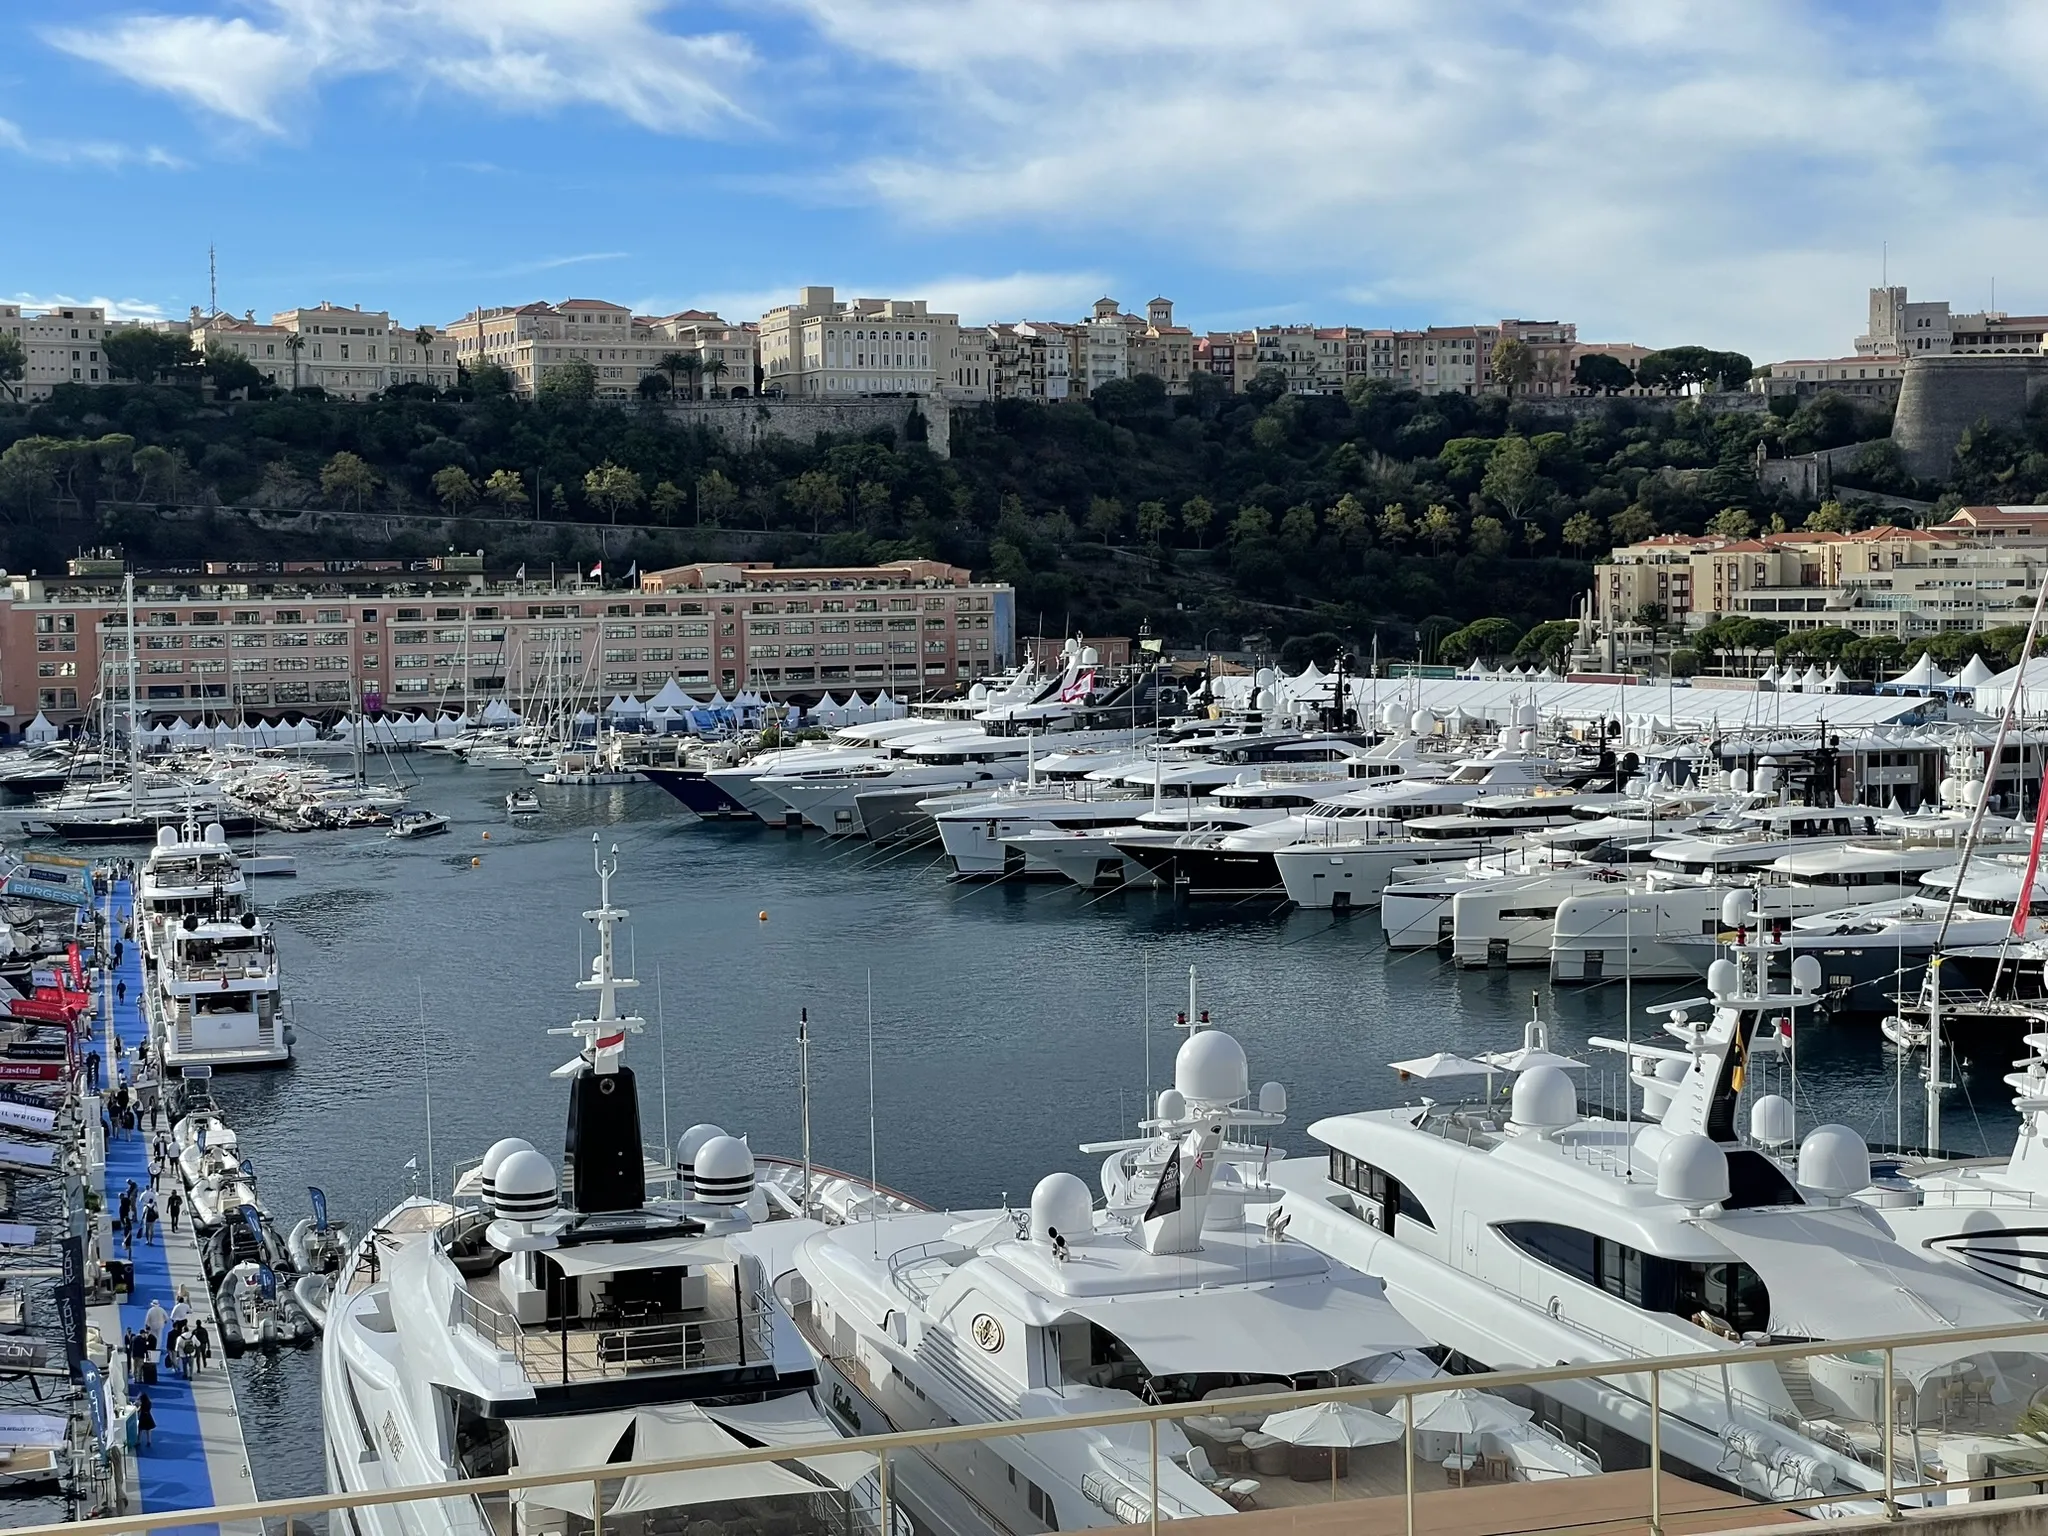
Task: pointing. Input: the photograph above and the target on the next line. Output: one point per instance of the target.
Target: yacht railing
(1900, 1480)
(598, 1348)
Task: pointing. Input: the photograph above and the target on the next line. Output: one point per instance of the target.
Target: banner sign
(51, 877)
(71, 1301)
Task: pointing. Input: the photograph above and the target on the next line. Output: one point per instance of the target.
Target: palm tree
(672, 363)
(423, 338)
(295, 344)
(692, 365)
(714, 370)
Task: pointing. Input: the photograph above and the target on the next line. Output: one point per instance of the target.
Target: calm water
(1009, 1021)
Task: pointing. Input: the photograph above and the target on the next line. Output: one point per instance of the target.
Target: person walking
(176, 1204)
(120, 988)
(145, 1418)
(204, 1342)
(149, 1217)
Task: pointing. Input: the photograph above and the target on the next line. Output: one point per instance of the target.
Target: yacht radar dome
(1210, 1068)
(724, 1173)
(1723, 979)
(216, 835)
(689, 1149)
(1770, 1120)
(166, 837)
(1738, 908)
(1834, 1162)
(1806, 974)
(1273, 1099)
(1692, 1171)
(526, 1187)
(1544, 1100)
(1173, 1106)
(494, 1159)
(1060, 1203)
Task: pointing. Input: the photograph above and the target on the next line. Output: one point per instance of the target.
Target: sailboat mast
(803, 1081)
(134, 734)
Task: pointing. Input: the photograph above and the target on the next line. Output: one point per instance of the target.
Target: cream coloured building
(59, 346)
(350, 353)
(526, 340)
(820, 348)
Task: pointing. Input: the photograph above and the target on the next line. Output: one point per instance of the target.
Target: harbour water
(1009, 1021)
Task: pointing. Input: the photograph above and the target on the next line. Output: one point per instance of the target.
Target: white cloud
(263, 71)
(85, 152)
(117, 309)
(1719, 170)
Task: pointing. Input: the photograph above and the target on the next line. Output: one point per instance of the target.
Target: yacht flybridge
(1179, 1289)
(1526, 1233)
(541, 1322)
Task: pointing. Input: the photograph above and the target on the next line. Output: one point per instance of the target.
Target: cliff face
(1943, 397)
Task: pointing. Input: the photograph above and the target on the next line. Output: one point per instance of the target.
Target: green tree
(1581, 532)
(487, 380)
(1482, 638)
(1394, 527)
(817, 493)
(1602, 373)
(1631, 525)
(145, 356)
(1549, 642)
(1153, 521)
(1489, 535)
(558, 502)
(295, 344)
(612, 489)
(1513, 364)
(1298, 527)
(667, 499)
(716, 496)
(1533, 535)
(28, 474)
(1347, 521)
(1439, 526)
(573, 382)
(653, 386)
(457, 492)
(673, 364)
(13, 365)
(1511, 475)
(1196, 515)
(506, 487)
(1732, 522)
(715, 369)
(873, 502)
(1830, 517)
(232, 373)
(346, 479)
(1251, 522)
(1105, 518)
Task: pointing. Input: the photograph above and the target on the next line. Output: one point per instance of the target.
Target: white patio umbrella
(1332, 1425)
(1442, 1064)
(1522, 1058)
(1462, 1411)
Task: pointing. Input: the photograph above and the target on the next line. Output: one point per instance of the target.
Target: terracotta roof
(1744, 547)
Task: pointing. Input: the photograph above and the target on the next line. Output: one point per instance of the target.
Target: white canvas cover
(675, 1431)
(671, 696)
(1922, 674)
(558, 1444)
(793, 1421)
(1974, 672)
(609, 1258)
(40, 729)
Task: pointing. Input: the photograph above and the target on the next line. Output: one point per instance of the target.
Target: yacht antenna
(426, 1080)
(661, 1043)
(803, 1084)
(1192, 1015)
(874, 1161)
(604, 1033)
(1148, 1028)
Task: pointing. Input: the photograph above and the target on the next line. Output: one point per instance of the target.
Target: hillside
(1378, 515)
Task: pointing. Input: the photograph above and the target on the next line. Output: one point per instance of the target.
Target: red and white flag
(609, 1045)
(1079, 688)
(597, 571)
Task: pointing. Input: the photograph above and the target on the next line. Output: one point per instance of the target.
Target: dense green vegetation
(1378, 516)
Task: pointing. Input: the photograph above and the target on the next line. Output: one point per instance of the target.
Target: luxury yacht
(188, 873)
(1176, 1291)
(211, 992)
(132, 810)
(731, 791)
(538, 1321)
(1524, 1232)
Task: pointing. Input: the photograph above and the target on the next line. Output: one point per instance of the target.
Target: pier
(196, 1457)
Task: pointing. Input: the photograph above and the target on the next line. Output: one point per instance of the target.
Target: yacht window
(1387, 1196)
(1754, 1180)
(1731, 1293)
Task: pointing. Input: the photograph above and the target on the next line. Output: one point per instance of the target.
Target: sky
(1731, 173)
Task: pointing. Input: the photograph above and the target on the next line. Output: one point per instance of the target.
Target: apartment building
(63, 345)
(526, 340)
(1900, 327)
(1551, 344)
(905, 625)
(350, 353)
(1874, 377)
(820, 348)
(1220, 354)
(1161, 348)
(1977, 570)
(1026, 361)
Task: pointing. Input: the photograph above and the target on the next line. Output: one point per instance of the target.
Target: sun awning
(1284, 1330)
(1831, 1275)
(673, 1432)
(794, 1420)
(664, 1253)
(559, 1444)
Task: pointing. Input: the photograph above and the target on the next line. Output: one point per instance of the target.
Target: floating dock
(196, 1457)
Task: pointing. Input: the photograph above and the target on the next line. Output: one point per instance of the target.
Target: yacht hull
(1089, 859)
(1340, 876)
(701, 794)
(140, 828)
(1209, 874)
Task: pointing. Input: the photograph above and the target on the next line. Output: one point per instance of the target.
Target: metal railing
(592, 1348)
(1886, 1498)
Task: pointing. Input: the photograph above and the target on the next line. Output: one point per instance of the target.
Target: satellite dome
(724, 1171)
(1739, 781)
(216, 835)
(1210, 1068)
(526, 1187)
(1770, 1120)
(1173, 1104)
(1265, 677)
(1526, 717)
(1723, 978)
(1806, 974)
(1738, 907)
(1061, 1203)
(1273, 1099)
(1390, 716)
(487, 1172)
(686, 1153)
(1545, 1100)
(1422, 722)
(166, 837)
(1692, 1171)
(1834, 1162)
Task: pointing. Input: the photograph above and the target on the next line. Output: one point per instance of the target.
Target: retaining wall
(1941, 398)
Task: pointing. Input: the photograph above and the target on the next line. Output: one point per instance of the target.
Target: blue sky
(1662, 171)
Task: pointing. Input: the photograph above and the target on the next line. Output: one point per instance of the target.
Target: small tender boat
(256, 1313)
(270, 865)
(523, 802)
(417, 824)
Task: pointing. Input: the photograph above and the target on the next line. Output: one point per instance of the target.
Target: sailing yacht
(1175, 1291)
(1524, 1232)
(541, 1321)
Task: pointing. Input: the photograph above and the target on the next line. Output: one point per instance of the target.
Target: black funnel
(603, 1168)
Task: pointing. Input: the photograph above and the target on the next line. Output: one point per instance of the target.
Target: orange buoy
(487, 837)
(764, 917)
(476, 863)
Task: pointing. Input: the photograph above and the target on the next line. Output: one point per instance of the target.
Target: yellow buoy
(476, 863)
(487, 837)
(764, 917)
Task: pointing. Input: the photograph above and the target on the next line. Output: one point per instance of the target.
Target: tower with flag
(603, 1167)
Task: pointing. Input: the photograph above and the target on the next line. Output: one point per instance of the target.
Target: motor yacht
(211, 991)
(735, 790)
(540, 1321)
(1174, 1291)
(1524, 1232)
(189, 872)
